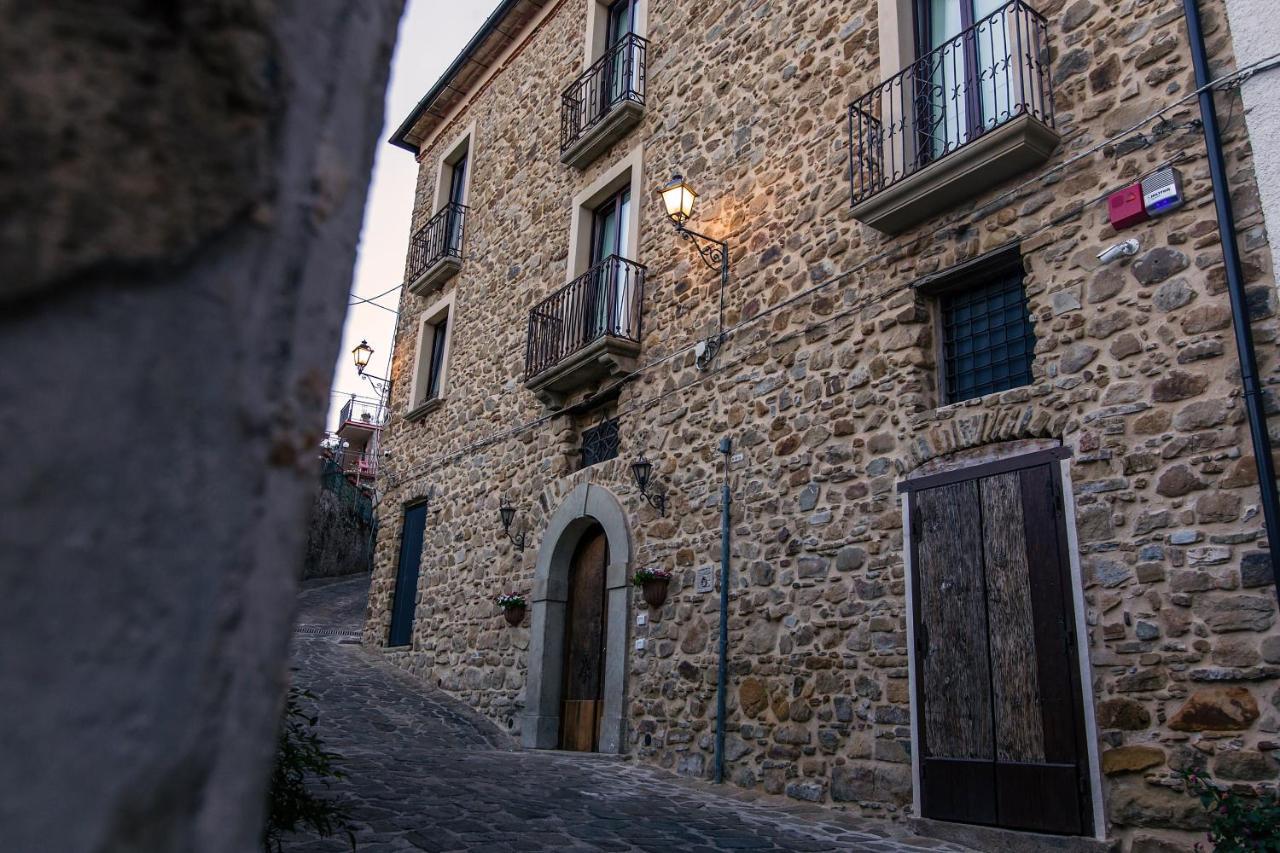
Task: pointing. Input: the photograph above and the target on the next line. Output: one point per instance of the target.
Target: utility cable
(640, 405)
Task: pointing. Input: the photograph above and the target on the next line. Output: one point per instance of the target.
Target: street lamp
(362, 353)
(678, 198)
(507, 513)
(642, 471)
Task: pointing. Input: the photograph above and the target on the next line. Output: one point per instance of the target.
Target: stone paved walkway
(425, 773)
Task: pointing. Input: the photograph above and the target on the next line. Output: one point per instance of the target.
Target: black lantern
(642, 471)
(507, 513)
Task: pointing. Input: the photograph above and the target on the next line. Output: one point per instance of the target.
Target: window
(987, 338)
(600, 443)
(453, 182)
(431, 369)
(457, 199)
(621, 70)
(964, 51)
(435, 362)
(609, 227)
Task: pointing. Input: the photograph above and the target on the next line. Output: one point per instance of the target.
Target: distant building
(354, 444)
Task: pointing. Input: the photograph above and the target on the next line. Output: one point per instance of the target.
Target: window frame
(975, 274)
(598, 15)
(626, 172)
(429, 383)
(461, 150)
(603, 427)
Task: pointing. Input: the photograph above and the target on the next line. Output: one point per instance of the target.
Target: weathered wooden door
(411, 537)
(582, 699)
(1001, 725)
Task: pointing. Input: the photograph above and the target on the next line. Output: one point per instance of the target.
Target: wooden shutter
(412, 534)
(1001, 733)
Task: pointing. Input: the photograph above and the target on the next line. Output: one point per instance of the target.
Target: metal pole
(1253, 401)
(722, 677)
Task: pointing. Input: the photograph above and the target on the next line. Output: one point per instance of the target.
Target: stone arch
(584, 507)
(974, 429)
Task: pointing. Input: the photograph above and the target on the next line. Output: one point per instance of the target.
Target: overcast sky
(432, 33)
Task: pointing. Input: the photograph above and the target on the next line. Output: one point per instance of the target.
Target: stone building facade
(867, 465)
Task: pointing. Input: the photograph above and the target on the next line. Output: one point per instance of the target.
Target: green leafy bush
(301, 757)
(1238, 822)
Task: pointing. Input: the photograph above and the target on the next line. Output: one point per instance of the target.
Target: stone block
(1122, 714)
(1131, 759)
(1216, 709)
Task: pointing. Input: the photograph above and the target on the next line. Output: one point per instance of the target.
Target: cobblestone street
(425, 773)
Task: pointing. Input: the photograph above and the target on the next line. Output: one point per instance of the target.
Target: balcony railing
(613, 79)
(993, 72)
(358, 410)
(602, 302)
(439, 239)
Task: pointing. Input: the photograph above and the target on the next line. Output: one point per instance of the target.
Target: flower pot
(655, 591)
(513, 615)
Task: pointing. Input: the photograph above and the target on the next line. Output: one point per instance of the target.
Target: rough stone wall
(337, 536)
(183, 185)
(828, 390)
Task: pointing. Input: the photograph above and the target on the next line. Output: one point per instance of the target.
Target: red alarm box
(1125, 207)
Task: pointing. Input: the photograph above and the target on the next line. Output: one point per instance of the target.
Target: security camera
(1119, 250)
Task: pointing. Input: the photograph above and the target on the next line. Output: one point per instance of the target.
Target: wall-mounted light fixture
(362, 353)
(678, 198)
(642, 471)
(508, 514)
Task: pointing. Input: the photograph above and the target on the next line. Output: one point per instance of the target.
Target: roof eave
(400, 138)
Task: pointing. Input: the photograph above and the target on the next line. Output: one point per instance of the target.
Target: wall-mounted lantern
(642, 471)
(507, 512)
(362, 353)
(678, 198)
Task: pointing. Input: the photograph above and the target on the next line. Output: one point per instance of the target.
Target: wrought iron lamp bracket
(657, 500)
(518, 541)
(715, 254)
(508, 516)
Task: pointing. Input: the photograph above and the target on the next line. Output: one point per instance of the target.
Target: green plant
(301, 757)
(1238, 822)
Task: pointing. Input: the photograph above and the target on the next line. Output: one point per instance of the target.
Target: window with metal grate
(600, 443)
(988, 340)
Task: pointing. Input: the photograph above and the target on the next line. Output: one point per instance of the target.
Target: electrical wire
(642, 405)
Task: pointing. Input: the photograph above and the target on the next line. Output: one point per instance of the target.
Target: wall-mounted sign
(705, 579)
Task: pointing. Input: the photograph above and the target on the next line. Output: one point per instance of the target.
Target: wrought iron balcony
(360, 411)
(604, 102)
(585, 330)
(968, 114)
(435, 250)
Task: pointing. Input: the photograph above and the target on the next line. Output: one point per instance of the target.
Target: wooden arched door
(582, 697)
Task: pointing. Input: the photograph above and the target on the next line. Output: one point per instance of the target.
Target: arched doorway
(589, 526)
(586, 616)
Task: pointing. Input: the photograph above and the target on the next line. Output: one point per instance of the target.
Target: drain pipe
(1250, 384)
(722, 677)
